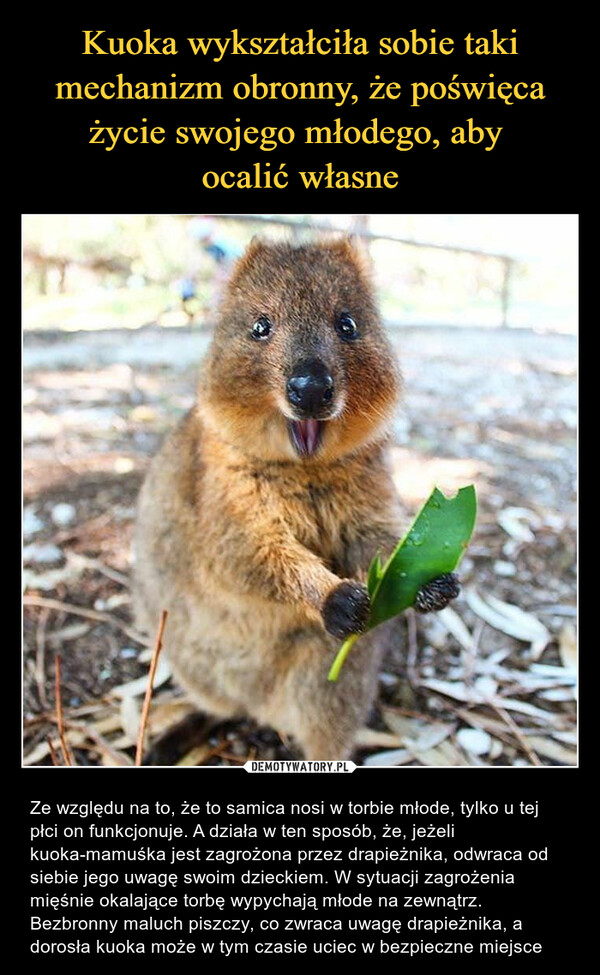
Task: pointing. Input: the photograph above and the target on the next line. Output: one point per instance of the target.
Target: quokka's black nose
(310, 388)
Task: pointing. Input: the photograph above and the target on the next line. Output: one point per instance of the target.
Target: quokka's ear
(256, 246)
(353, 250)
(257, 243)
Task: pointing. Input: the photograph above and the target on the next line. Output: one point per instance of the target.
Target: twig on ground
(238, 759)
(100, 567)
(412, 714)
(90, 614)
(98, 522)
(40, 668)
(146, 707)
(59, 717)
(411, 657)
(518, 734)
(100, 743)
(220, 750)
(53, 754)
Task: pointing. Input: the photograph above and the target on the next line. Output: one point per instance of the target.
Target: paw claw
(435, 595)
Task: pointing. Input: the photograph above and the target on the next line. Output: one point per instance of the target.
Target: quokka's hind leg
(177, 741)
(325, 717)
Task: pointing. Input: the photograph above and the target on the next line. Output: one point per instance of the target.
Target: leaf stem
(343, 652)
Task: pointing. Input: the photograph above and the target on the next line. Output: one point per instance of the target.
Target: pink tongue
(307, 435)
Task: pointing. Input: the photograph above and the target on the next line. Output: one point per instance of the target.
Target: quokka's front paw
(435, 595)
(346, 609)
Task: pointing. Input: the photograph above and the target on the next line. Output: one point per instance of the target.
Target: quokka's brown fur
(250, 544)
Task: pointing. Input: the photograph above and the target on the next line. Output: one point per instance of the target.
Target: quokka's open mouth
(306, 436)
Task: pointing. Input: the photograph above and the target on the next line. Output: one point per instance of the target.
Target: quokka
(260, 515)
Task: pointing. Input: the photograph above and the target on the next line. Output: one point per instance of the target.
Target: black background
(536, 167)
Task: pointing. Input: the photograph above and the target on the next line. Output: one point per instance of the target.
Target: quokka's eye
(347, 328)
(262, 328)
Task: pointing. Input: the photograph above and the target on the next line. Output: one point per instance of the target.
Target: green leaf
(374, 574)
(433, 546)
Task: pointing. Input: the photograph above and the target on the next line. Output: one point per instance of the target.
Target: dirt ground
(490, 681)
